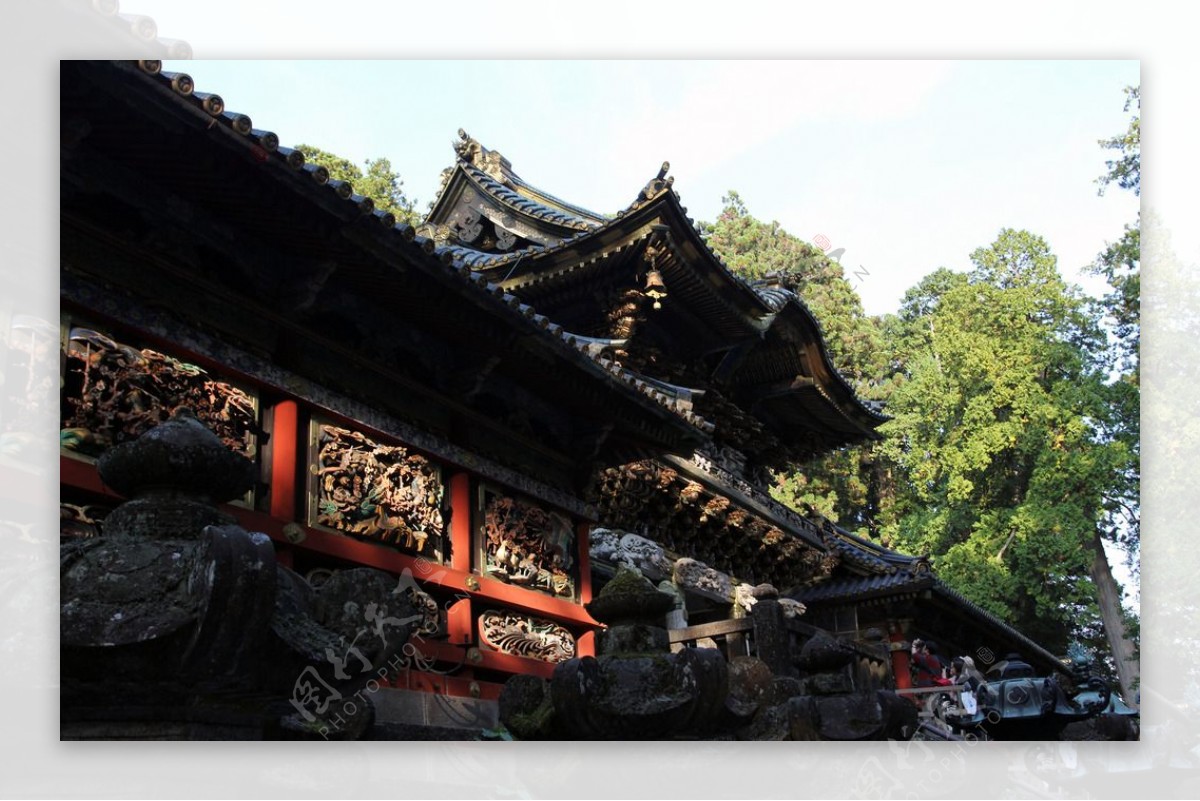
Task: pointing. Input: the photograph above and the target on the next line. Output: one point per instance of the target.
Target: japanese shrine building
(500, 405)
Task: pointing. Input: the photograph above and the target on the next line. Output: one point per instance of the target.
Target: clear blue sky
(906, 165)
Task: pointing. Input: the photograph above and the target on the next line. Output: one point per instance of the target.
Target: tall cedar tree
(995, 433)
(1120, 265)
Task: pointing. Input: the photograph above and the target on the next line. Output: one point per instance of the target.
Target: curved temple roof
(166, 95)
(873, 572)
(493, 173)
(557, 248)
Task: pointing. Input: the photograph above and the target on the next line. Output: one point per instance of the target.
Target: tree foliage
(999, 461)
(378, 182)
(758, 250)
(1014, 447)
(995, 432)
(1120, 311)
(1120, 265)
(1126, 170)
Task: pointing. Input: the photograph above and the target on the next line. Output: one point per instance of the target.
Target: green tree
(999, 433)
(1120, 262)
(378, 182)
(1120, 265)
(1126, 170)
(990, 432)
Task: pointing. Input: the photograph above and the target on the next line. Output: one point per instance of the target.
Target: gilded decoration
(522, 635)
(113, 393)
(528, 546)
(690, 520)
(381, 492)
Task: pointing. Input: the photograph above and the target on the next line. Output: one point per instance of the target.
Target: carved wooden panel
(522, 635)
(526, 545)
(114, 392)
(379, 492)
(690, 520)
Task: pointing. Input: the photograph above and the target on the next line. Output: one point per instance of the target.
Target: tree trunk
(1108, 596)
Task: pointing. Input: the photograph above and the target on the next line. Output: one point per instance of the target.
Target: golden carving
(383, 492)
(681, 515)
(114, 393)
(522, 635)
(528, 546)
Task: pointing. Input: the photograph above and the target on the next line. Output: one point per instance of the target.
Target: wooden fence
(778, 640)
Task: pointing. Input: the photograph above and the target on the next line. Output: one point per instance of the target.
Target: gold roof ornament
(656, 250)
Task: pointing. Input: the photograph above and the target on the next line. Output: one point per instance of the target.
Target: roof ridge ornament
(469, 150)
(659, 184)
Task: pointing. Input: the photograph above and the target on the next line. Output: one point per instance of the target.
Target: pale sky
(907, 165)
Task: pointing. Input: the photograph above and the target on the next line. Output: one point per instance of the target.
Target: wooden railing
(778, 641)
(924, 697)
(731, 634)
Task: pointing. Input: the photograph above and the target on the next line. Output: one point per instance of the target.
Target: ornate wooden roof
(246, 235)
(753, 351)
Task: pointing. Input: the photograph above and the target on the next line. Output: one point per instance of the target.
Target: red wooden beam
(460, 623)
(494, 660)
(83, 475)
(460, 521)
(370, 554)
(585, 565)
(285, 439)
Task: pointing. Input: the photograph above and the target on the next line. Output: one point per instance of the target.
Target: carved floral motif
(522, 635)
(528, 546)
(383, 492)
(114, 392)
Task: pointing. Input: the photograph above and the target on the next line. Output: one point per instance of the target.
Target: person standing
(927, 667)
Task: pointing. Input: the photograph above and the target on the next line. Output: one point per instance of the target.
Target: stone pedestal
(636, 689)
